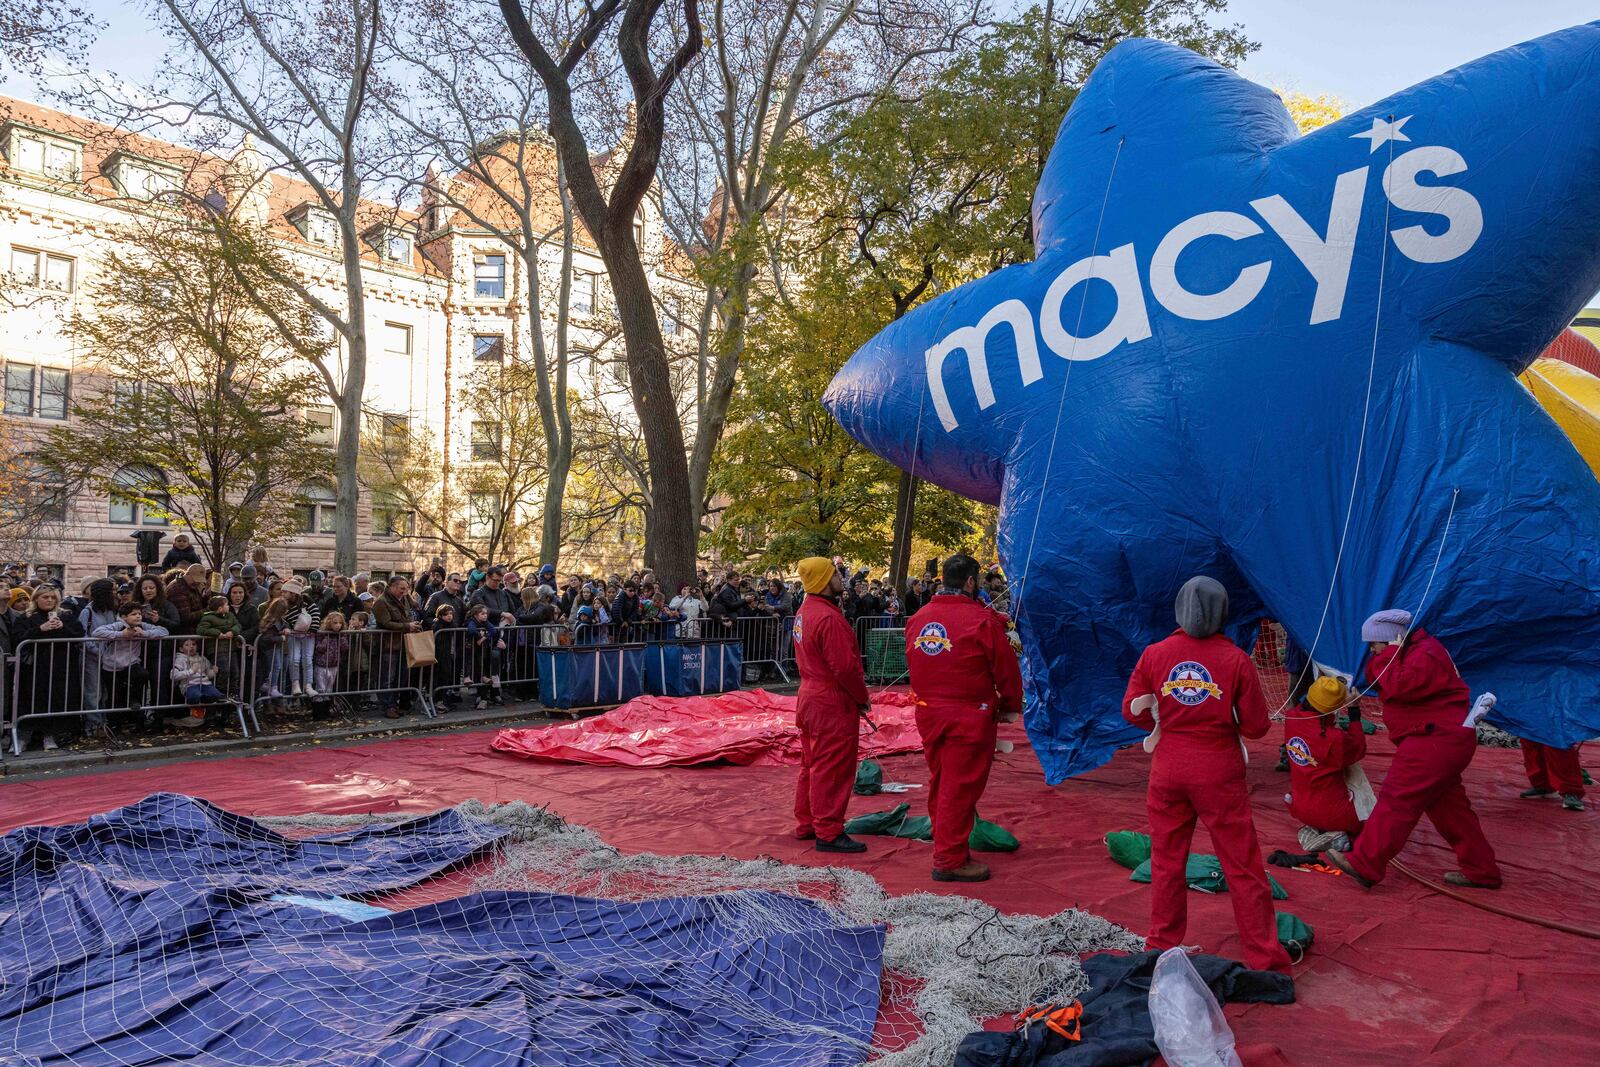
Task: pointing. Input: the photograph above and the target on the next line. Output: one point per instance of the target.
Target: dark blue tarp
(1287, 362)
(692, 668)
(105, 961)
(588, 676)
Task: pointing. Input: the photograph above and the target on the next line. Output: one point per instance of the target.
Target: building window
(396, 432)
(485, 439)
(320, 422)
(39, 155)
(41, 392)
(317, 515)
(583, 293)
(488, 346)
(397, 339)
(618, 370)
(143, 501)
(638, 230)
(42, 270)
(390, 517)
(397, 248)
(140, 179)
(48, 502)
(316, 224)
(482, 515)
(671, 316)
(489, 276)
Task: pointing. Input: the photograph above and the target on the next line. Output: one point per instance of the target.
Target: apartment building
(444, 296)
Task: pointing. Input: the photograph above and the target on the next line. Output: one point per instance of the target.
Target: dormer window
(139, 177)
(315, 223)
(392, 243)
(42, 152)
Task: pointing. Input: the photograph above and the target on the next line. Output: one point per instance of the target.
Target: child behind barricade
(194, 676)
(274, 625)
(446, 653)
(356, 672)
(484, 648)
(328, 653)
(220, 626)
(123, 675)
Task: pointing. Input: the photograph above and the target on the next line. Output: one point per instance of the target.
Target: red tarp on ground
(1398, 976)
(752, 728)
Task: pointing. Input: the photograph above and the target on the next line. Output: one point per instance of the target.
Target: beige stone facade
(443, 296)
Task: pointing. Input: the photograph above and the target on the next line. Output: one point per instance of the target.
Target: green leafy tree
(195, 412)
(930, 189)
(795, 484)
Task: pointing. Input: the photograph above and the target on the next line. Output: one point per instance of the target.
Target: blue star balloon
(1287, 362)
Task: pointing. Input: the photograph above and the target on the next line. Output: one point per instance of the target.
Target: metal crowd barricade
(882, 642)
(463, 664)
(762, 638)
(92, 679)
(344, 665)
(643, 631)
(786, 643)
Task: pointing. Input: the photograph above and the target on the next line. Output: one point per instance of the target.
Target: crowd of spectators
(305, 638)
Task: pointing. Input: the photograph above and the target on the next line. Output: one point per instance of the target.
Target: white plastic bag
(1190, 1028)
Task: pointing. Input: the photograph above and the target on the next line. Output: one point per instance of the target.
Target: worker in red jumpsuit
(1553, 770)
(1424, 708)
(965, 677)
(1197, 693)
(833, 697)
(1320, 748)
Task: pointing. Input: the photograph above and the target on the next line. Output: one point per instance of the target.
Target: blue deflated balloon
(1287, 362)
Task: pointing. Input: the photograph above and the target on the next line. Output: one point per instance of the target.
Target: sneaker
(1457, 878)
(294, 690)
(1570, 801)
(970, 871)
(1535, 793)
(1339, 860)
(310, 692)
(275, 693)
(49, 745)
(191, 722)
(842, 843)
(482, 704)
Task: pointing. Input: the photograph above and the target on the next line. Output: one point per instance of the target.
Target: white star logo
(1383, 130)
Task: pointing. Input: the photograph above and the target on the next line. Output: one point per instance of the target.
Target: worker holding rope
(1425, 709)
(965, 678)
(1198, 693)
(831, 703)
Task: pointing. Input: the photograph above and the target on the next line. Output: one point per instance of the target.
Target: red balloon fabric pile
(749, 727)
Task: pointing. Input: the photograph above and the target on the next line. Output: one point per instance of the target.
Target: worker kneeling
(1198, 692)
(1328, 790)
(965, 677)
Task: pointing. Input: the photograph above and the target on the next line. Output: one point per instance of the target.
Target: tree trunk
(347, 485)
(672, 517)
(905, 506)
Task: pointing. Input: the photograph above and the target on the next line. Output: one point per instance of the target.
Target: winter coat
(329, 648)
(189, 602)
(49, 676)
(1421, 690)
(121, 648)
(179, 557)
(190, 670)
(216, 623)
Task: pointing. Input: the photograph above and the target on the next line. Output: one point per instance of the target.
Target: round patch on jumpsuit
(932, 639)
(1190, 683)
(1300, 752)
(796, 631)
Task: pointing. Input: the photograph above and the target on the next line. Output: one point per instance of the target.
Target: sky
(1357, 50)
(1363, 50)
